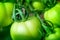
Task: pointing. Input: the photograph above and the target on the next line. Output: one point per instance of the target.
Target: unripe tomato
(9, 12)
(37, 5)
(27, 30)
(57, 30)
(9, 8)
(54, 36)
(2, 12)
(6, 11)
(53, 15)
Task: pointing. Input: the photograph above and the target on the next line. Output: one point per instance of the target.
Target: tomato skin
(54, 36)
(28, 30)
(37, 5)
(9, 12)
(15, 31)
(9, 8)
(34, 22)
(2, 12)
(57, 30)
(6, 14)
(53, 14)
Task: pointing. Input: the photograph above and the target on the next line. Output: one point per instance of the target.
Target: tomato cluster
(21, 20)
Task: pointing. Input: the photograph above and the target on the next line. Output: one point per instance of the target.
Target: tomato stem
(44, 26)
(13, 16)
(18, 14)
(21, 14)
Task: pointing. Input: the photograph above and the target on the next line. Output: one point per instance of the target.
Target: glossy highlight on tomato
(27, 30)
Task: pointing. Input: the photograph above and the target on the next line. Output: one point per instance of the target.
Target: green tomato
(27, 30)
(54, 36)
(57, 30)
(6, 14)
(9, 8)
(2, 13)
(9, 12)
(37, 5)
(53, 14)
